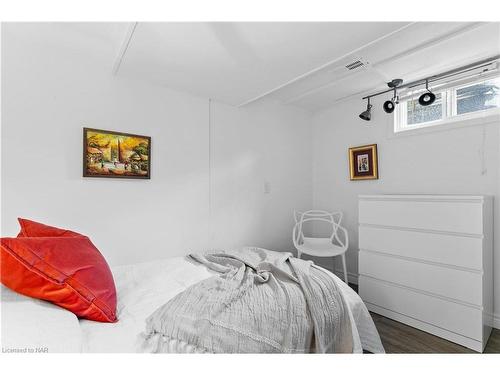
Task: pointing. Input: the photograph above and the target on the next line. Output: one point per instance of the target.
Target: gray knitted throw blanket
(259, 301)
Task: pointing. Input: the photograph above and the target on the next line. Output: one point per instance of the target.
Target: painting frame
(363, 162)
(85, 165)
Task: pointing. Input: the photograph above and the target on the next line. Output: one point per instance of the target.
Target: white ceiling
(236, 62)
(301, 63)
(93, 42)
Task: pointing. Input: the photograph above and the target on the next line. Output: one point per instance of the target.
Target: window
(459, 102)
(478, 97)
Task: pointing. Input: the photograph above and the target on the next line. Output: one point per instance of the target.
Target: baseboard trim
(496, 321)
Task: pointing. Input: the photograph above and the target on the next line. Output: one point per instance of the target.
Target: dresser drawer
(451, 283)
(455, 317)
(460, 251)
(434, 215)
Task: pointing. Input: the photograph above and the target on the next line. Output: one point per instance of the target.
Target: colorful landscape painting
(113, 154)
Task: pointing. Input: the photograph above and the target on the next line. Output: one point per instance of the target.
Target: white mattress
(144, 287)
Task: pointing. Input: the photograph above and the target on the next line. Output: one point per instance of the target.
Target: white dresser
(426, 261)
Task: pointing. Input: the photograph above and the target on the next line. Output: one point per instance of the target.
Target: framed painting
(363, 163)
(116, 155)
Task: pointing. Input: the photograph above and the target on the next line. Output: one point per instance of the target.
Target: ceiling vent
(356, 64)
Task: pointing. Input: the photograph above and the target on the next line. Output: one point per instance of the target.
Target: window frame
(449, 110)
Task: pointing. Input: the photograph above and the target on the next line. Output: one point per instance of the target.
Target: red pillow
(33, 229)
(68, 271)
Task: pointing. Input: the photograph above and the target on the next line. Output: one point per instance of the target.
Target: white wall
(459, 161)
(255, 149)
(47, 97)
(49, 94)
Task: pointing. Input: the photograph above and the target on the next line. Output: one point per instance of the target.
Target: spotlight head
(366, 115)
(389, 106)
(427, 98)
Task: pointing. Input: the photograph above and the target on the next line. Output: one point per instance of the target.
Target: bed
(141, 288)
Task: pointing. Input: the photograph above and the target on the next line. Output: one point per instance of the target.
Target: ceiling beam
(124, 47)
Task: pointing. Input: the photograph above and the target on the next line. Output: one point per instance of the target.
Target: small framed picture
(363, 164)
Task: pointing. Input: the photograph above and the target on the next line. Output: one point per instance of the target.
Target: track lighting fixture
(427, 98)
(367, 115)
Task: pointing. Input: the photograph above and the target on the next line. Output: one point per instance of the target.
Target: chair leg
(298, 254)
(345, 269)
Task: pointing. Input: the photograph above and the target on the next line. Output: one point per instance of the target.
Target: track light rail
(437, 77)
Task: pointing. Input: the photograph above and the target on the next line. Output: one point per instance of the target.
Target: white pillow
(30, 325)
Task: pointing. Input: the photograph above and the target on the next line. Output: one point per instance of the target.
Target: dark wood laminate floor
(401, 338)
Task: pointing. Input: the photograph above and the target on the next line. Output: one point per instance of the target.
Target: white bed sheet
(29, 325)
(144, 287)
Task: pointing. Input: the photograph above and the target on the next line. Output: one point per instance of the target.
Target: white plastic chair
(321, 246)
